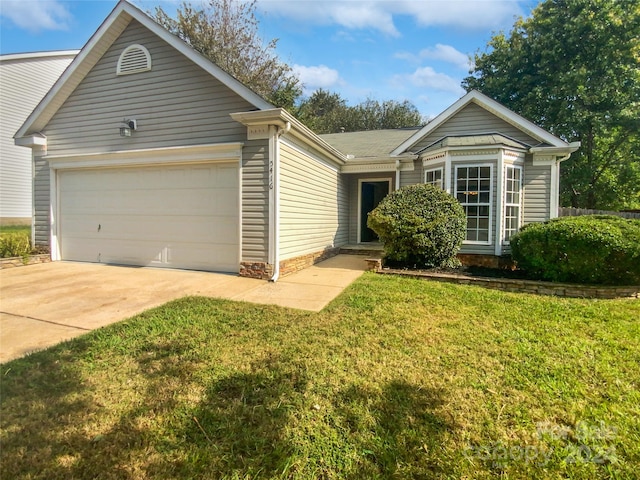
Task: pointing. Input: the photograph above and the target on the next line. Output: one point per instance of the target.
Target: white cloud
(36, 15)
(317, 76)
(379, 14)
(351, 14)
(447, 53)
(444, 53)
(472, 14)
(427, 77)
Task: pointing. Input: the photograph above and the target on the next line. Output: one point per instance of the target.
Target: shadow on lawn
(243, 424)
(406, 430)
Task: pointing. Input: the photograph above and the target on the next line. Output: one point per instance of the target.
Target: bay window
(474, 191)
(512, 201)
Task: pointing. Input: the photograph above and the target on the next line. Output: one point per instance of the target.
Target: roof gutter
(566, 151)
(280, 117)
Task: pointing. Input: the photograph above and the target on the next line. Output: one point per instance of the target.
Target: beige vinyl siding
(176, 103)
(312, 204)
(537, 192)
(255, 201)
(412, 177)
(23, 83)
(472, 120)
(41, 202)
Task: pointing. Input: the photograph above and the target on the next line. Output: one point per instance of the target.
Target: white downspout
(397, 174)
(274, 208)
(554, 204)
(500, 210)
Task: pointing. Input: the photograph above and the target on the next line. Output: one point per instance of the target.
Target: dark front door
(371, 193)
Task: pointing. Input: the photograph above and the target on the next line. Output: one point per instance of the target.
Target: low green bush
(593, 249)
(14, 244)
(419, 225)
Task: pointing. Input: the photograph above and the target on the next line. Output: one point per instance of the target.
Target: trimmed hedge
(420, 226)
(591, 249)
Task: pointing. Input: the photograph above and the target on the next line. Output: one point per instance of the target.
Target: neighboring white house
(25, 78)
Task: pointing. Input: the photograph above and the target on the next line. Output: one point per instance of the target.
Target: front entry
(371, 193)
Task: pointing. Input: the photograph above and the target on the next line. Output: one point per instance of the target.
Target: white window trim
(441, 169)
(134, 46)
(455, 194)
(360, 182)
(503, 234)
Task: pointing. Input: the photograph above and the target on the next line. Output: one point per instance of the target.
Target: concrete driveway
(41, 305)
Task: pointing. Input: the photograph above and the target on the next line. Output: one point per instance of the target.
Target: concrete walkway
(41, 305)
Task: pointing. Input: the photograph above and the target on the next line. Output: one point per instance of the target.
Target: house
(146, 153)
(24, 79)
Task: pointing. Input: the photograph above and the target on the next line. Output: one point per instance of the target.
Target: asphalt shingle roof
(371, 143)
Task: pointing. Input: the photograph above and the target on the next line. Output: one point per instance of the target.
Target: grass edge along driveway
(397, 378)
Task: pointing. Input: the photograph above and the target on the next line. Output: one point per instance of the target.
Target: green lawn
(23, 229)
(397, 378)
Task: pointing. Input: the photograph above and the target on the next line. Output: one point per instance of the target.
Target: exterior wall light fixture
(128, 126)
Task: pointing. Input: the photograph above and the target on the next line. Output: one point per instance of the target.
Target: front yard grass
(397, 378)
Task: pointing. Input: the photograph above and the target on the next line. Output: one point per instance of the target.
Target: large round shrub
(596, 249)
(419, 225)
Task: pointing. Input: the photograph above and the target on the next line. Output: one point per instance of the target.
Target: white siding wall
(471, 120)
(24, 80)
(313, 209)
(537, 191)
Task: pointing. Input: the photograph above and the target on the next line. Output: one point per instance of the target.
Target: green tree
(226, 31)
(573, 67)
(326, 112)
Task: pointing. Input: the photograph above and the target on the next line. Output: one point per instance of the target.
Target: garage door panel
(178, 216)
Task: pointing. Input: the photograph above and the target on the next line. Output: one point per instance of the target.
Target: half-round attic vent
(134, 59)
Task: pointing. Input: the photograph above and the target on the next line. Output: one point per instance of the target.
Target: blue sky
(384, 49)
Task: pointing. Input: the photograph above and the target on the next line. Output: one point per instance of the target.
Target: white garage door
(169, 216)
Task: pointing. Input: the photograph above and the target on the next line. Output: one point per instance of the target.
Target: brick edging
(24, 261)
(525, 286)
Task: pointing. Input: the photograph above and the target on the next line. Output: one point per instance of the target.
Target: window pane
(473, 190)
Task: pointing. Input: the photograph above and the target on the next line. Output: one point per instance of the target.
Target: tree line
(572, 67)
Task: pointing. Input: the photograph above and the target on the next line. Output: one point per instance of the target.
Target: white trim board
(360, 182)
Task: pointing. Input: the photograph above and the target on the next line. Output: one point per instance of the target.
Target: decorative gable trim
(491, 106)
(133, 59)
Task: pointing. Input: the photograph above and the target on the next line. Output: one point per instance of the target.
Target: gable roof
(491, 106)
(370, 143)
(99, 43)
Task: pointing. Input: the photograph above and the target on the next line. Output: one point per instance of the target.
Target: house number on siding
(270, 174)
